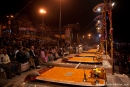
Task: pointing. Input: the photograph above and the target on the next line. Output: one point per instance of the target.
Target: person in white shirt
(6, 61)
(4, 66)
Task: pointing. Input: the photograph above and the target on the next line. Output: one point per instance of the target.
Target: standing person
(120, 63)
(74, 48)
(126, 62)
(35, 57)
(123, 64)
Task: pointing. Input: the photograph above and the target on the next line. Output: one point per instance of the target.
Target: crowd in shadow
(17, 50)
(122, 57)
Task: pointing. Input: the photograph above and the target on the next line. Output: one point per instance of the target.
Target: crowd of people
(123, 61)
(17, 50)
(122, 57)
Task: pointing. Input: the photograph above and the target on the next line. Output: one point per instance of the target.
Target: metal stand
(96, 76)
(84, 79)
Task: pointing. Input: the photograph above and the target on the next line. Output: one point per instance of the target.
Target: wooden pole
(111, 33)
(105, 26)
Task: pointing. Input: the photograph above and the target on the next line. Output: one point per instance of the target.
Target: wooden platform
(90, 51)
(86, 55)
(116, 80)
(105, 63)
(84, 60)
(70, 76)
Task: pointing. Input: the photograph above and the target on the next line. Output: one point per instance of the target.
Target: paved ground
(116, 80)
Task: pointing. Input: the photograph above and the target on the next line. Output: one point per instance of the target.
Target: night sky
(72, 12)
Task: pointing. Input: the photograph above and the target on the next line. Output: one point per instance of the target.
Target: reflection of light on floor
(123, 74)
(23, 83)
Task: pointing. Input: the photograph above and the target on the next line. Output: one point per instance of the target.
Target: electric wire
(23, 8)
(87, 26)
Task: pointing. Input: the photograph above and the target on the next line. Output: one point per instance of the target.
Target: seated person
(17, 64)
(21, 55)
(6, 64)
(34, 56)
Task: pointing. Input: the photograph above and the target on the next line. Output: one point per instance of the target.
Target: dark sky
(72, 11)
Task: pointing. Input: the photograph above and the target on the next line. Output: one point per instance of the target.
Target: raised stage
(71, 76)
(90, 51)
(85, 60)
(71, 72)
(86, 55)
(51, 76)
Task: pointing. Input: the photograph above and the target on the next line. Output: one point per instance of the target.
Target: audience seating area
(24, 67)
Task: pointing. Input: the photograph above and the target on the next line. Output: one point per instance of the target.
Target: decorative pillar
(105, 25)
(111, 34)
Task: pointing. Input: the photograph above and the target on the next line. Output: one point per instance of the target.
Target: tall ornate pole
(105, 24)
(111, 34)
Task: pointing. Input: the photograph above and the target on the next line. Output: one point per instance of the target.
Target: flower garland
(111, 34)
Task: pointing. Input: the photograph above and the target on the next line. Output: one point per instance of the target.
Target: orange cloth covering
(92, 50)
(66, 75)
(87, 55)
(84, 59)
